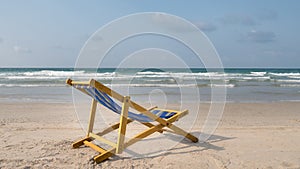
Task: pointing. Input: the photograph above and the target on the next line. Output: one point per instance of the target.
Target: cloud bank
(237, 19)
(19, 49)
(205, 26)
(261, 36)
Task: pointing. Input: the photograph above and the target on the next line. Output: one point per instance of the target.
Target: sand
(250, 135)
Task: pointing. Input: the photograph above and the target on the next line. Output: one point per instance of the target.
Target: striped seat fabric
(108, 102)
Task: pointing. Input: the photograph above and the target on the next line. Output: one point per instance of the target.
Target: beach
(116, 84)
(250, 135)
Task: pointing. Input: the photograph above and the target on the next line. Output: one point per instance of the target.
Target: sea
(241, 84)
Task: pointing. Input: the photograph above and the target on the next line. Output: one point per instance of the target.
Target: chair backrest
(109, 103)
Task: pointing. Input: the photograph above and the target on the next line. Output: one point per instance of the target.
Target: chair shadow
(184, 148)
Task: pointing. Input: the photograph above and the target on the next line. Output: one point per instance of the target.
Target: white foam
(32, 85)
(223, 85)
(285, 74)
(294, 77)
(258, 73)
(153, 85)
(31, 78)
(52, 73)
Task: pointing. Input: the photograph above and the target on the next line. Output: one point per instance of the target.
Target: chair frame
(118, 148)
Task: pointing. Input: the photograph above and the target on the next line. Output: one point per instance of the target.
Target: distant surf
(241, 84)
(32, 77)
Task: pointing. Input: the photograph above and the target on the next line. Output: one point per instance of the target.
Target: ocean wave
(149, 73)
(80, 74)
(150, 78)
(124, 85)
(285, 74)
(173, 85)
(32, 85)
(294, 77)
(51, 73)
(288, 80)
(32, 78)
(154, 85)
(222, 85)
(256, 78)
(258, 73)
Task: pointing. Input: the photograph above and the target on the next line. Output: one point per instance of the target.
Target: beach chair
(106, 96)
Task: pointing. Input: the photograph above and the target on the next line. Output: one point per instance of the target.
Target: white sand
(256, 135)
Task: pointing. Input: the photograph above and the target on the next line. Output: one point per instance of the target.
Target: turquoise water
(243, 85)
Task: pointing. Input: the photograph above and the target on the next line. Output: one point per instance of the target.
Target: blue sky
(245, 33)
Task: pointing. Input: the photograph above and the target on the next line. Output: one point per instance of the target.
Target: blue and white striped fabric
(108, 102)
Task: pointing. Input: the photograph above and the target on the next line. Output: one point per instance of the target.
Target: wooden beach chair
(106, 96)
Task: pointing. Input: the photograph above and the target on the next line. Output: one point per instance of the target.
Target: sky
(245, 33)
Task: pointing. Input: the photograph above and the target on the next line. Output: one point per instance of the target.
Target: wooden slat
(112, 128)
(136, 138)
(108, 91)
(105, 131)
(69, 82)
(168, 110)
(184, 113)
(144, 134)
(123, 123)
(104, 156)
(95, 147)
(151, 108)
(151, 130)
(180, 131)
(148, 124)
(92, 117)
(80, 83)
(79, 143)
(102, 139)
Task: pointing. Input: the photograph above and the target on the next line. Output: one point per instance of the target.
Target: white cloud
(258, 36)
(205, 26)
(261, 36)
(238, 19)
(19, 49)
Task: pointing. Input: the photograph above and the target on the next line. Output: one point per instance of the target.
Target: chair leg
(79, 143)
(103, 156)
(180, 131)
(122, 126)
(151, 125)
(92, 117)
(154, 128)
